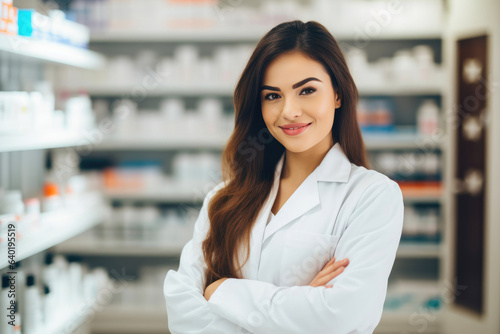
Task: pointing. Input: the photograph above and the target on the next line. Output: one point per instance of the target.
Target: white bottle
(428, 118)
(49, 307)
(51, 279)
(32, 317)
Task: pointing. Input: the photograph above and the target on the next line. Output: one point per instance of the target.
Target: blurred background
(114, 115)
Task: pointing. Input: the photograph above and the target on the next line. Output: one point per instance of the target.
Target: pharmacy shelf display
(116, 319)
(52, 228)
(51, 51)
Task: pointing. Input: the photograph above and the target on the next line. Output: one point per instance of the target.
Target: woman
(296, 196)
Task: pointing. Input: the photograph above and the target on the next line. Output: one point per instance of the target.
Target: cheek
(268, 115)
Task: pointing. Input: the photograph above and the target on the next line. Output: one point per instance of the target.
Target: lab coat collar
(335, 167)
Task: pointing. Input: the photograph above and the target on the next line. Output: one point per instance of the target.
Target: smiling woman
(300, 236)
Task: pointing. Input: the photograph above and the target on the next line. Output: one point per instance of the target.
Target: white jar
(12, 203)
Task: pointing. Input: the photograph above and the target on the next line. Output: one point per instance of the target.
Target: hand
(331, 270)
(209, 291)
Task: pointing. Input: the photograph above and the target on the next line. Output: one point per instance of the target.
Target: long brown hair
(251, 154)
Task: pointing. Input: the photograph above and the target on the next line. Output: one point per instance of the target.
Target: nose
(291, 109)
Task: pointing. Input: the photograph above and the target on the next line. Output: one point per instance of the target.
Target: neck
(299, 165)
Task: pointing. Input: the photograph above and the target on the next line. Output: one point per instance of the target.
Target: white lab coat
(340, 210)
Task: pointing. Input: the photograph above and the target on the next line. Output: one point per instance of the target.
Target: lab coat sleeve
(355, 302)
(187, 308)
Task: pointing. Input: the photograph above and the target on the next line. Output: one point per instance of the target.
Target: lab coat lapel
(250, 271)
(304, 198)
(335, 167)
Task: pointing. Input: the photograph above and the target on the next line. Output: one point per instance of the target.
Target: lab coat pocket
(304, 255)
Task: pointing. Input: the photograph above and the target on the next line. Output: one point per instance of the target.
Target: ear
(338, 102)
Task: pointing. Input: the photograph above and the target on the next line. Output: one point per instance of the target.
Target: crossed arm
(353, 305)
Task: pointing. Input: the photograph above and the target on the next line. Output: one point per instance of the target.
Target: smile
(293, 131)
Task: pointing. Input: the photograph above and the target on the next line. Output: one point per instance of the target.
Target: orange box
(8, 18)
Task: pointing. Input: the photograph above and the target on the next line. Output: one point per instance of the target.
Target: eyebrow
(298, 84)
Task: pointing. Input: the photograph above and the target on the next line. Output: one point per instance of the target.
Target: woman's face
(298, 92)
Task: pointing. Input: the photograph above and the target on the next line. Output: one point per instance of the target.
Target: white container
(211, 114)
(172, 111)
(12, 203)
(428, 118)
(186, 58)
(32, 317)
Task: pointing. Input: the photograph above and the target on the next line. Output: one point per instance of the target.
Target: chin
(297, 147)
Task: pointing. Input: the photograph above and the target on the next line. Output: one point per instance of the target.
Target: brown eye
(309, 89)
(270, 94)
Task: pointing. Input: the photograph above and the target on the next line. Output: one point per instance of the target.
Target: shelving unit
(118, 319)
(26, 62)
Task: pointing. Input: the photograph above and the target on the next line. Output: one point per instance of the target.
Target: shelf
(46, 140)
(422, 199)
(86, 245)
(121, 319)
(56, 227)
(166, 193)
(418, 250)
(397, 322)
(372, 141)
(96, 247)
(400, 140)
(399, 88)
(248, 33)
(214, 142)
(227, 89)
(51, 51)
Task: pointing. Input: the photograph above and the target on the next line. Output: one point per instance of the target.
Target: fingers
(334, 266)
(325, 279)
(330, 270)
(329, 262)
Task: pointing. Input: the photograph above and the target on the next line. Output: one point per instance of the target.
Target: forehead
(289, 68)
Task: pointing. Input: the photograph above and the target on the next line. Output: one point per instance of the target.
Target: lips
(295, 129)
(294, 125)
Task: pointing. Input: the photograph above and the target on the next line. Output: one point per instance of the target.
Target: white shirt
(340, 210)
